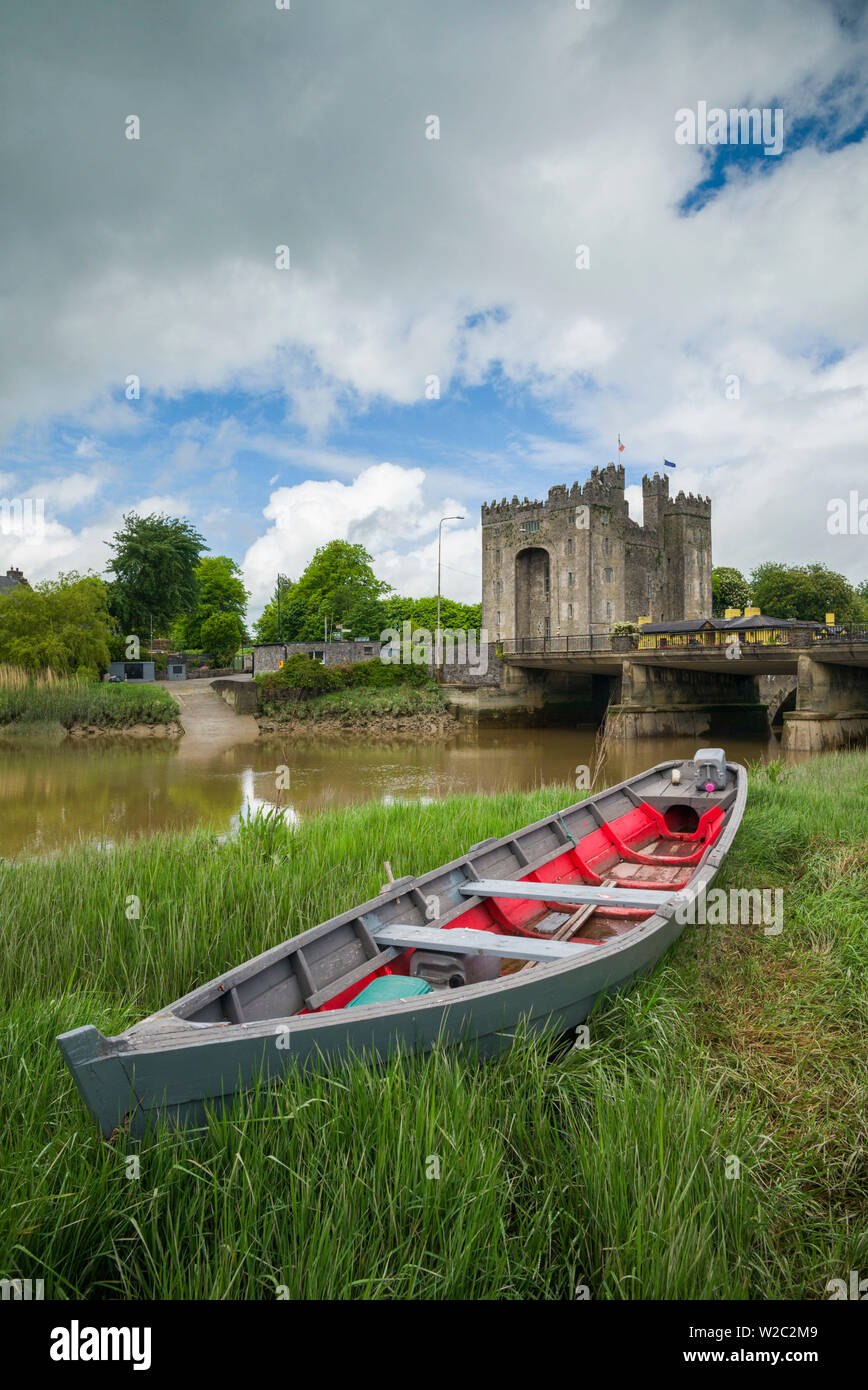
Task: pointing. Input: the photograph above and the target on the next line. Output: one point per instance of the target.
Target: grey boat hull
(176, 1067)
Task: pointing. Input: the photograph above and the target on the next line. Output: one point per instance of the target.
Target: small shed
(135, 672)
(176, 670)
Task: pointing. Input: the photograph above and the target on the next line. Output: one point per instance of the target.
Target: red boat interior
(643, 848)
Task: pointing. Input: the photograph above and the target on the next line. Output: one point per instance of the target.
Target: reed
(547, 1169)
(28, 701)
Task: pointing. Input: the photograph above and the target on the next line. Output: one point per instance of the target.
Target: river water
(102, 791)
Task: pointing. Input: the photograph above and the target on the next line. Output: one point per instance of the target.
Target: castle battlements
(604, 486)
(691, 504)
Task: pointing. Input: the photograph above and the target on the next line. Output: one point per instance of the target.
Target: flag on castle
(620, 445)
(668, 464)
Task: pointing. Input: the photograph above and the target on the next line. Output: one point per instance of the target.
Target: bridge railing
(556, 646)
(750, 639)
(847, 632)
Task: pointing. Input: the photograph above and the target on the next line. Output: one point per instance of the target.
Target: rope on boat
(565, 830)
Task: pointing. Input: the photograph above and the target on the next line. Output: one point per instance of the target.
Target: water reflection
(54, 795)
(253, 805)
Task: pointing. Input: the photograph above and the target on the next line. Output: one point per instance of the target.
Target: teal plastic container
(390, 987)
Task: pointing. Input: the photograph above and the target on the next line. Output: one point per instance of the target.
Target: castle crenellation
(576, 562)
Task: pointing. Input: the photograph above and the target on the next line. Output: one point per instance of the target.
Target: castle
(577, 563)
(14, 580)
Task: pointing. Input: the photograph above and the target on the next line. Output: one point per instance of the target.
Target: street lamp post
(281, 579)
(437, 644)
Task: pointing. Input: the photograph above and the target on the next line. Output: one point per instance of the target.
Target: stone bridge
(820, 686)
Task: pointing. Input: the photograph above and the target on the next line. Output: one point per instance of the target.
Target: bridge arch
(533, 592)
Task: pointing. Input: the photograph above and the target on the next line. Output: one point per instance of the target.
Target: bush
(381, 675)
(301, 677)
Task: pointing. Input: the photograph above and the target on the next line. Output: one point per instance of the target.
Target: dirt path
(209, 724)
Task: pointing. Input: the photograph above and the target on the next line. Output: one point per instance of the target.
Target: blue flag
(667, 464)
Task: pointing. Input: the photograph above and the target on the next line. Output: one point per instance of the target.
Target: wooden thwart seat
(466, 941)
(572, 893)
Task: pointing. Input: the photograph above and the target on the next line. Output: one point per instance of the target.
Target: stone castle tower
(576, 563)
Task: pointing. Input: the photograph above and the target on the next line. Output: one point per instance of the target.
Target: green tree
(154, 564)
(219, 589)
(339, 584)
(729, 589)
(338, 589)
(63, 624)
(808, 592)
(221, 636)
(422, 613)
(290, 611)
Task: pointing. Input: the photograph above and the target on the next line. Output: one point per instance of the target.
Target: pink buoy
(709, 786)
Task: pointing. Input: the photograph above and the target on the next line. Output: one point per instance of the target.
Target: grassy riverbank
(35, 702)
(366, 696)
(604, 1167)
(401, 701)
(407, 710)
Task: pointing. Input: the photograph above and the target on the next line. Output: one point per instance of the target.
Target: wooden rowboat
(532, 927)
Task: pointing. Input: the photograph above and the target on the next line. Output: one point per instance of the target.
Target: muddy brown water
(56, 795)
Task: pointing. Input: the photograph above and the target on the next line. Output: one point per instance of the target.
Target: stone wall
(268, 656)
(243, 696)
(207, 673)
(470, 674)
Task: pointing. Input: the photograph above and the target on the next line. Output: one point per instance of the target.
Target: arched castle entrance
(532, 593)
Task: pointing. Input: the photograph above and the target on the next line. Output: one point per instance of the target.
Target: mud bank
(386, 726)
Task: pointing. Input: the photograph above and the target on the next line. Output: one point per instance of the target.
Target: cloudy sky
(720, 321)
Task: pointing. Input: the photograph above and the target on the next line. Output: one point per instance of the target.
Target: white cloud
(386, 508)
(60, 548)
(69, 492)
(557, 129)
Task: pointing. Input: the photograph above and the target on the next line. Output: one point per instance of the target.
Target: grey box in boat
(709, 766)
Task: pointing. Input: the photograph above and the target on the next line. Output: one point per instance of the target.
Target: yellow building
(750, 627)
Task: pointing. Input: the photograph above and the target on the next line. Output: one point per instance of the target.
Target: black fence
(556, 646)
(850, 632)
(755, 640)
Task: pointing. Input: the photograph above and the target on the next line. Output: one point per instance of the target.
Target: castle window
(530, 526)
(497, 619)
(604, 518)
(608, 612)
(607, 575)
(570, 611)
(497, 557)
(498, 588)
(569, 579)
(605, 545)
(570, 546)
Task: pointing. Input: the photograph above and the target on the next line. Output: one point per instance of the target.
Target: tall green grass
(604, 1167)
(28, 700)
(358, 704)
